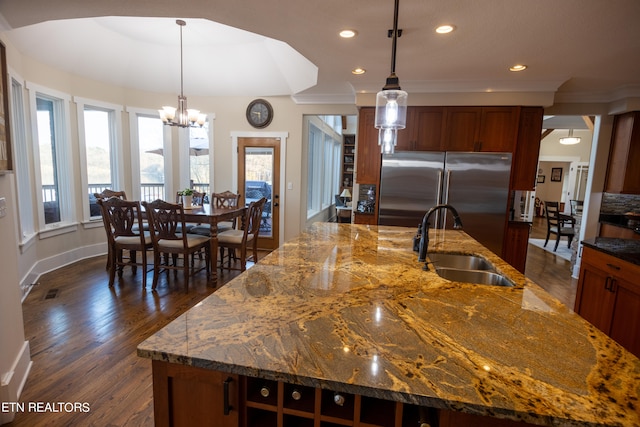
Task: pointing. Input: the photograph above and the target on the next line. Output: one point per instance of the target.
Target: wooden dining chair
(232, 240)
(557, 224)
(170, 246)
(227, 199)
(120, 219)
(105, 194)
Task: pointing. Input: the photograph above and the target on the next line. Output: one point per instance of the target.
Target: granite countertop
(625, 249)
(348, 308)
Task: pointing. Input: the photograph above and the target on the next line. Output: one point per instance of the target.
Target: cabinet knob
(338, 399)
(296, 395)
(264, 391)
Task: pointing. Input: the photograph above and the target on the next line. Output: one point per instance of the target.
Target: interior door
(259, 176)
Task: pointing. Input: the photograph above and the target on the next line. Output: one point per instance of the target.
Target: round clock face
(259, 113)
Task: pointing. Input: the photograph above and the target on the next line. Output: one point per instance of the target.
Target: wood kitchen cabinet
(623, 173)
(514, 246)
(481, 128)
(524, 167)
(189, 396)
(608, 296)
(424, 130)
(369, 159)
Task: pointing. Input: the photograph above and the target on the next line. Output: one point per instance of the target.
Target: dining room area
(183, 235)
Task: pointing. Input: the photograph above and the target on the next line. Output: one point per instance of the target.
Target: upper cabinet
(623, 173)
(369, 158)
(481, 128)
(525, 156)
(424, 130)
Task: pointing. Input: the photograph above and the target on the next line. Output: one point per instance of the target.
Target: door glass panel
(258, 167)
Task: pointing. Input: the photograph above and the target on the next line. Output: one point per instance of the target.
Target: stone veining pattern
(349, 308)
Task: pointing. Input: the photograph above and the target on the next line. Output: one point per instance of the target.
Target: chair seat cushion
(233, 237)
(133, 240)
(193, 240)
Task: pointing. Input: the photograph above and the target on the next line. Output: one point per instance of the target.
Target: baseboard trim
(12, 382)
(46, 265)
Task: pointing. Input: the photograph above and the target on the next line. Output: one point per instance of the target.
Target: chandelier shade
(181, 116)
(391, 101)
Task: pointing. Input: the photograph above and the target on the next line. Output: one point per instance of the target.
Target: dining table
(212, 215)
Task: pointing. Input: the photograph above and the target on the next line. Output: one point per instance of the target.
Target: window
(199, 158)
(99, 127)
(52, 157)
(323, 166)
(150, 155)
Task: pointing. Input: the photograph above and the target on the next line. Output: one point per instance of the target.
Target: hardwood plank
(83, 342)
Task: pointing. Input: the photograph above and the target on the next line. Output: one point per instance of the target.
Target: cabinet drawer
(614, 266)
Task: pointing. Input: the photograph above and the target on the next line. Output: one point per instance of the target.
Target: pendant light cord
(395, 37)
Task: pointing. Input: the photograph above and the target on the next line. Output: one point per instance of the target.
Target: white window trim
(68, 221)
(117, 156)
(134, 113)
(22, 154)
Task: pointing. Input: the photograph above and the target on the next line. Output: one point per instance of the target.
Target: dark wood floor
(548, 270)
(83, 340)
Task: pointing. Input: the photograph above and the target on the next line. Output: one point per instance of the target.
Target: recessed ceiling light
(445, 29)
(518, 67)
(347, 34)
(358, 71)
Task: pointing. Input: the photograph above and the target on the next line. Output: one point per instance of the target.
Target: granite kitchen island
(348, 309)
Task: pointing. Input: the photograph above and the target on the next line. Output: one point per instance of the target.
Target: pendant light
(391, 101)
(569, 140)
(181, 116)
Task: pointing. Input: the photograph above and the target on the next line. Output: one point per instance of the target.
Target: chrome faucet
(424, 236)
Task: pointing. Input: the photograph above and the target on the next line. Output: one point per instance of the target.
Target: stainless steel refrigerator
(476, 184)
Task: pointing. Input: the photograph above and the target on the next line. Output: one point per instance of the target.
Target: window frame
(116, 152)
(64, 156)
(134, 114)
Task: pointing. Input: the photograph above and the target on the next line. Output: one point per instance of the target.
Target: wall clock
(259, 113)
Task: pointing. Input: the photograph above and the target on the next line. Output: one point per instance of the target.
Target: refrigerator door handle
(438, 197)
(445, 197)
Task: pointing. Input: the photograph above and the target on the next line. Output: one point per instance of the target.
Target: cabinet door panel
(429, 128)
(498, 129)
(461, 128)
(625, 325)
(593, 301)
(369, 156)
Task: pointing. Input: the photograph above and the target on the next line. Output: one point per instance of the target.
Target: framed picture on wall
(540, 179)
(5, 140)
(556, 174)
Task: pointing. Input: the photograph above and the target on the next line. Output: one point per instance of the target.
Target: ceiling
(578, 50)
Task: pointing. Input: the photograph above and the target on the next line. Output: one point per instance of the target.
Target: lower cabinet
(515, 244)
(608, 296)
(188, 396)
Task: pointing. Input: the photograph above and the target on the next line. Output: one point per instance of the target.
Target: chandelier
(391, 101)
(181, 116)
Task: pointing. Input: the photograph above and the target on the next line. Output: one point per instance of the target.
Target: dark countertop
(349, 308)
(625, 249)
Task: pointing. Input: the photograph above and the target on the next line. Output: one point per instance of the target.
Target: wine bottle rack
(293, 405)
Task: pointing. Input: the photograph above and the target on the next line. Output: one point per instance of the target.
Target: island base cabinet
(189, 396)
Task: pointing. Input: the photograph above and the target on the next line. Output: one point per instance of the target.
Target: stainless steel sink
(459, 261)
(473, 276)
